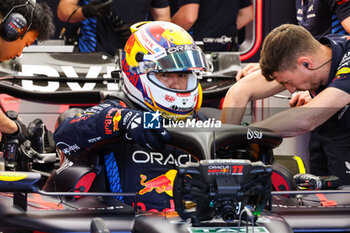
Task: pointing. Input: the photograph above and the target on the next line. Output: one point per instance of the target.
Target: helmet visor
(187, 60)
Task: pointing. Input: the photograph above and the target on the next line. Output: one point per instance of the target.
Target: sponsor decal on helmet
(148, 42)
(179, 108)
(185, 47)
(130, 44)
(148, 100)
(159, 54)
(169, 98)
(183, 94)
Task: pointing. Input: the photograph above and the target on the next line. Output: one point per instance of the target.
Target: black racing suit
(129, 167)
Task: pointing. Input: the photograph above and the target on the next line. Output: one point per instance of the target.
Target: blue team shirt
(97, 33)
(339, 76)
(318, 16)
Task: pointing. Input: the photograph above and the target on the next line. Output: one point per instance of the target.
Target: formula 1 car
(225, 192)
(220, 203)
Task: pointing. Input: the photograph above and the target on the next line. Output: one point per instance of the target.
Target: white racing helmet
(163, 47)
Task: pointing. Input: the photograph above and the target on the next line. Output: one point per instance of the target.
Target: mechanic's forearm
(299, 120)
(295, 121)
(7, 125)
(161, 14)
(186, 16)
(252, 87)
(245, 16)
(346, 24)
(234, 106)
(185, 23)
(65, 9)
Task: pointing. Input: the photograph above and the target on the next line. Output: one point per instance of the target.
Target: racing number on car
(237, 169)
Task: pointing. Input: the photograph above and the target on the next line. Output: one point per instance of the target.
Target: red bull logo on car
(161, 184)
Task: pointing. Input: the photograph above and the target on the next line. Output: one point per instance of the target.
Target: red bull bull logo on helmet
(161, 184)
(130, 44)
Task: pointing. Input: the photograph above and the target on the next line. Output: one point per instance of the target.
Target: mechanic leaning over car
(22, 22)
(160, 64)
(320, 18)
(292, 59)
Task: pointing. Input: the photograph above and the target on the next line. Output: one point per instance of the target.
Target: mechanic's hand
(121, 28)
(131, 123)
(123, 31)
(96, 8)
(300, 98)
(248, 69)
(11, 142)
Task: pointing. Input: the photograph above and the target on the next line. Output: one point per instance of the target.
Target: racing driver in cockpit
(160, 66)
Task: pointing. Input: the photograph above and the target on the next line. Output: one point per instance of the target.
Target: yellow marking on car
(12, 176)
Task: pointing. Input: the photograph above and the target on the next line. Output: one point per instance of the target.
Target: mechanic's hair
(42, 21)
(282, 46)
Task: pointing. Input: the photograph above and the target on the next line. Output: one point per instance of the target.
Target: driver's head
(23, 22)
(161, 64)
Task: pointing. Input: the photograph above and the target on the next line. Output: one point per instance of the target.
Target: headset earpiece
(13, 27)
(306, 64)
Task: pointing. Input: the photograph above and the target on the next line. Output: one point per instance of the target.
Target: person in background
(105, 25)
(214, 22)
(22, 23)
(320, 18)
